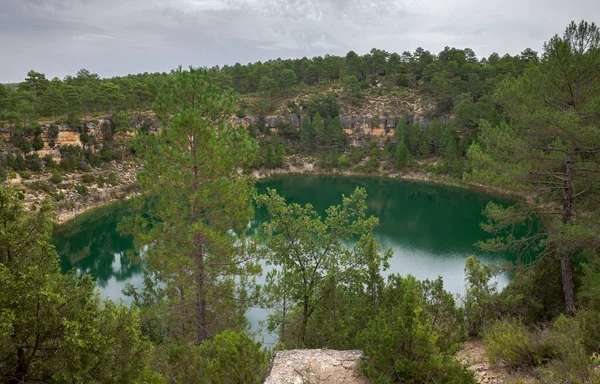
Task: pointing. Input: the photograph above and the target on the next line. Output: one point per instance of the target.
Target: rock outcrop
(315, 366)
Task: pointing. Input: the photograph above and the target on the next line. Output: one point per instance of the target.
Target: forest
(527, 125)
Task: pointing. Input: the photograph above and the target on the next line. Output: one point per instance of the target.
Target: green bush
(81, 189)
(401, 344)
(512, 343)
(356, 155)
(588, 323)
(87, 178)
(56, 177)
(344, 162)
(535, 294)
(480, 301)
(38, 143)
(41, 186)
(372, 165)
(571, 363)
(49, 162)
(233, 357)
(101, 181)
(25, 175)
(112, 179)
(34, 163)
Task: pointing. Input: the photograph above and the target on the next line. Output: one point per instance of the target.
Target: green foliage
(571, 358)
(197, 272)
(232, 357)
(101, 181)
(402, 156)
(309, 250)
(480, 301)
(562, 353)
(372, 165)
(53, 327)
(87, 178)
(81, 189)
(344, 162)
(512, 343)
(535, 293)
(550, 151)
(307, 135)
(41, 186)
(49, 162)
(402, 345)
(34, 163)
(38, 143)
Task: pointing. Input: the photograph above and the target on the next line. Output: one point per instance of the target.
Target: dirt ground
(473, 354)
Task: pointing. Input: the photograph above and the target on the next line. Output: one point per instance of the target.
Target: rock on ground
(315, 366)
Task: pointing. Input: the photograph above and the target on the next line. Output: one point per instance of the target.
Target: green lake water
(431, 229)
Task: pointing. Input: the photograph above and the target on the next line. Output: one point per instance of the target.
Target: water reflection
(430, 228)
(91, 244)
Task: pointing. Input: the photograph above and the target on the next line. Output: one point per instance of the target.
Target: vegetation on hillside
(527, 124)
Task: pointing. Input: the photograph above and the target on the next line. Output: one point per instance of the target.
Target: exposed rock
(315, 366)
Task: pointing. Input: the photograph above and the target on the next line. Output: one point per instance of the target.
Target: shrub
(49, 162)
(372, 165)
(17, 163)
(588, 323)
(344, 162)
(56, 177)
(24, 145)
(480, 300)
(41, 186)
(101, 181)
(232, 357)
(535, 293)
(571, 363)
(81, 189)
(25, 175)
(356, 155)
(402, 346)
(87, 178)
(38, 143)
(34, 163)
(112, 178)
(512, 343)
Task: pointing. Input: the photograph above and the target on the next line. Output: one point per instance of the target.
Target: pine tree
(550, 150)
(318, 127)
(402, 156)
(307, 135)
(190, 181)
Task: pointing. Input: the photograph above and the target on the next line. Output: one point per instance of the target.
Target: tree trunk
(200, 277)
(302, 337)
(566, 261)
(22, 368)
(201, 331)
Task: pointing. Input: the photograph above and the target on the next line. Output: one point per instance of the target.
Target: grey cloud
(115, 37)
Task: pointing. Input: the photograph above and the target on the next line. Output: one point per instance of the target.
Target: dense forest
(528, 125)
(453, 89)
(452, 86)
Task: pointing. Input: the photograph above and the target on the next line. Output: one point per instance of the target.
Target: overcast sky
(117, 37)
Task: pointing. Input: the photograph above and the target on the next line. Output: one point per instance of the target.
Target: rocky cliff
(315, 366)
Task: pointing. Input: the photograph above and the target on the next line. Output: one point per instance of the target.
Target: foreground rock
(315, 366)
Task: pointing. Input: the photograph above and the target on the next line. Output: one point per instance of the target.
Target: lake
(431, 228)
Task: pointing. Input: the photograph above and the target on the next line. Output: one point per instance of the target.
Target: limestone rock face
(315, 366)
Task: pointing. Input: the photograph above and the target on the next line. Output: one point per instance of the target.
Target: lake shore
(125, 188)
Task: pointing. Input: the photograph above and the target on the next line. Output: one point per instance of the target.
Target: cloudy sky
(116, 37)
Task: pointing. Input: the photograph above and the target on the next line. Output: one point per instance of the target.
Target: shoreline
(64, 216)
